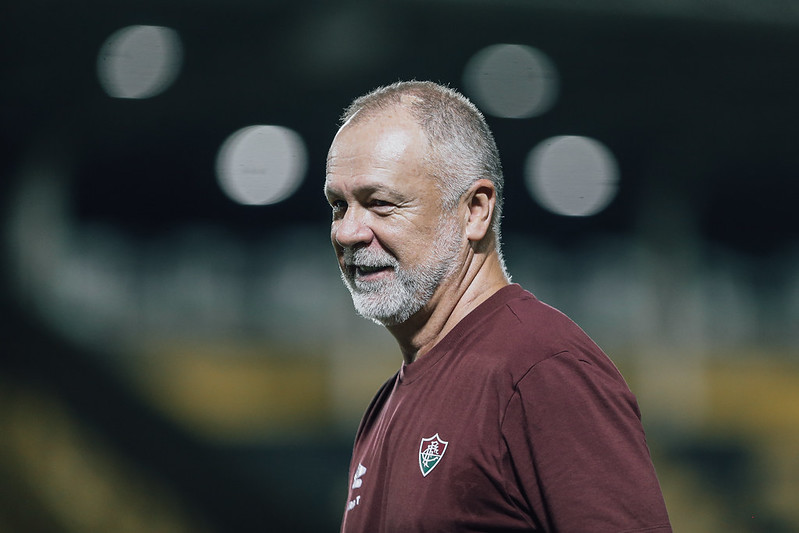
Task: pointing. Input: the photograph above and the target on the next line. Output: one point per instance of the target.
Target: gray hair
(461, 148)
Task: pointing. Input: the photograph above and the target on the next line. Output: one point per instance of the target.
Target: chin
(385, 319)
(394, 319)
(382, 320)
(388, 308)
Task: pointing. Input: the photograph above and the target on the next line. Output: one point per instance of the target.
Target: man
(504, 416)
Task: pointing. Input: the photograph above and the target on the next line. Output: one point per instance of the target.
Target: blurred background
(178, 353)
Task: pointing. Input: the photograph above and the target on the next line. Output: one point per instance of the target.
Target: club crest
(431, 450)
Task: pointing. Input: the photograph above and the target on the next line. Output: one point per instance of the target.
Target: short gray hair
(461, 148)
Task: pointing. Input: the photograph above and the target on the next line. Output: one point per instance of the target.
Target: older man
(504, 416)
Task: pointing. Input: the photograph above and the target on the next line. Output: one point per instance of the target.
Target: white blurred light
(139, 61)
(572, 175)
(260, 165)
(511, 80)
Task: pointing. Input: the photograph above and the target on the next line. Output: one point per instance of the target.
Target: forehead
(387, 150)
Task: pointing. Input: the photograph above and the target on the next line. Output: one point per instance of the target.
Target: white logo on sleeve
(356, 479)
(356, 484)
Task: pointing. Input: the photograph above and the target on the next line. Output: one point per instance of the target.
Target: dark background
(128, 403)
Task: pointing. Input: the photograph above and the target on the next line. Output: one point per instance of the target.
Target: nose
(351, 229)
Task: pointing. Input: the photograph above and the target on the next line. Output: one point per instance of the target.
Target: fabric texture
(515, 421)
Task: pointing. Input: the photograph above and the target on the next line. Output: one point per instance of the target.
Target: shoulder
(527, 316)
(519, 331)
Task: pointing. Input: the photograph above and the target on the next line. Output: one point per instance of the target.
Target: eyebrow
(366, 190)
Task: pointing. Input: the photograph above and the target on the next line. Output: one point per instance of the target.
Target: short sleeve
(577, 452)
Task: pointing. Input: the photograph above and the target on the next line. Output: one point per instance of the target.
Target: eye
(381, 206)
(338, 207)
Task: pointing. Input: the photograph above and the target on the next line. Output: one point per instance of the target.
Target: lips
(366, 265)
(366, 271)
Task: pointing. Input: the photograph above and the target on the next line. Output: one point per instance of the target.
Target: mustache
(354, 257)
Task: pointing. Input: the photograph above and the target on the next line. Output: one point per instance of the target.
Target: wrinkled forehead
(394, 114)
(389, 139)
(383, 142)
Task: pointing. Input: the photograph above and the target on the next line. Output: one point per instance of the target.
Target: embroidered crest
(431, 450)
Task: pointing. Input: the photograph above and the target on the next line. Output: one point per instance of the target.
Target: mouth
(365, 272)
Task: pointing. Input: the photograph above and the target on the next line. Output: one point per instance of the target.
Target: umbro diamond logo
(356, 479)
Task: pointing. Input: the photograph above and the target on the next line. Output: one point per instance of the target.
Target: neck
(455, 298)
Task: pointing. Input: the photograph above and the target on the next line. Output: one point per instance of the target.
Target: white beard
(393, 299)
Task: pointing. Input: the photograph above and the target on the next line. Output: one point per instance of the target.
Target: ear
(481, 199)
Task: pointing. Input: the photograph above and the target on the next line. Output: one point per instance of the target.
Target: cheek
(410, 246)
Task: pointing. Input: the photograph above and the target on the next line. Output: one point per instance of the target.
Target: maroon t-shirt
(515, 421)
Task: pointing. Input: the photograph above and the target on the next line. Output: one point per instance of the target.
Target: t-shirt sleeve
(577, 452)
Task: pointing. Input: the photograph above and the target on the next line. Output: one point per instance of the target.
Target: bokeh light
(511, 80)
(260, 165)
(572, 175)
(139, 61)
